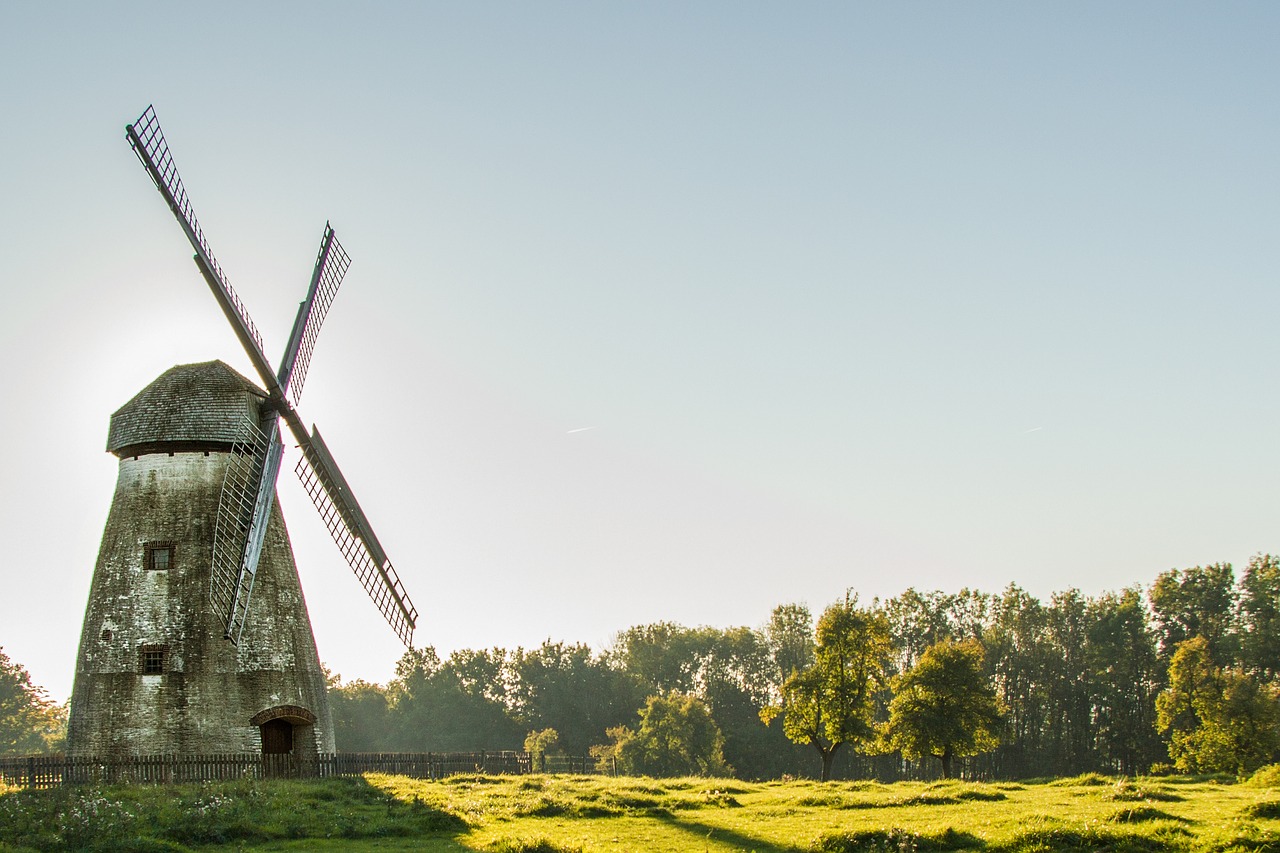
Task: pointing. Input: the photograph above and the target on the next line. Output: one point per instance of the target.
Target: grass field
(556, 814)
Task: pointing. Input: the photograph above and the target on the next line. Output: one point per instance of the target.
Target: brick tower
(155, 672)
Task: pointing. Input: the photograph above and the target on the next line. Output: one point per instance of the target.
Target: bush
(1265, 777)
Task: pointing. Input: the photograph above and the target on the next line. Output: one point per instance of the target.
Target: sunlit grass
(585, 814)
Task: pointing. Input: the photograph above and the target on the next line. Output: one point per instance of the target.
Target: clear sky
(663, 310)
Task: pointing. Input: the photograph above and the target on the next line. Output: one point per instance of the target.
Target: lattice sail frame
(350, 530)
(332, 263)
(229, 592)
(156, 159)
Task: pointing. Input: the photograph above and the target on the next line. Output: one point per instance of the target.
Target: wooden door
(277, 737)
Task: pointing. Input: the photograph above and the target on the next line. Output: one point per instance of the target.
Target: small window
(153, 660)
(106, 633)
(159, 556)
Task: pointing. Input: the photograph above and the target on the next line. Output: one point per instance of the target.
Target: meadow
(559, 814)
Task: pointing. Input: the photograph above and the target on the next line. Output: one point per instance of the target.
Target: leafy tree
(663, 657)
(1196, 602)
(541, 744)
(29, 721)
(944, 706)
(455, 705)
(832, 702)
(790, 637)
(1123, 680)
(1218, 720)
(1069, 733)
(676, 737)
(737, 676)
(1260, 616)
(361, 715)
(917, 620)
(1019, 659)
(565, 687)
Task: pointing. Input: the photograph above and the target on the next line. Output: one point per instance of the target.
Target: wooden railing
(48, 771)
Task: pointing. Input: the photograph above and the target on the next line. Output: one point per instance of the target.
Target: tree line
(1184, 675)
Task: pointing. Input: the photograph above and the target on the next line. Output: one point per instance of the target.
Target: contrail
(579, 429)
(1033, 429)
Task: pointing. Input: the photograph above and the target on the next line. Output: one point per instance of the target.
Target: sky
(662, 311)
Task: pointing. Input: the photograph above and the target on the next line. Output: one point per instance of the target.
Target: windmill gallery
(196, 637)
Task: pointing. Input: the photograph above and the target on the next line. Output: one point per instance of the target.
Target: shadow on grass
(896, 839)
(709, 832)
(174, 818)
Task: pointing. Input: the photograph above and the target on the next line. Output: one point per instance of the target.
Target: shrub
(1265, 777)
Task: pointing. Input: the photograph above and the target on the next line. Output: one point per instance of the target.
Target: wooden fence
(48, 771)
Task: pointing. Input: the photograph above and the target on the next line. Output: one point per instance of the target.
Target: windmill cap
(189, 407)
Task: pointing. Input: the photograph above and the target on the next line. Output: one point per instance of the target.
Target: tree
(456, 705)
(29, 721)
(361, 715)
(1069, 730)
(564, 687)
(1218, 720)
(1260, 616)
(1019, 659)
(832, 702)
(539, 745)
(1123, 681)
(944, 706)
(676, 737)
(736, 677)
(790, 636)
(1196, 602)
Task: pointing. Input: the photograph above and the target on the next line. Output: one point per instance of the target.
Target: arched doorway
(277, 726)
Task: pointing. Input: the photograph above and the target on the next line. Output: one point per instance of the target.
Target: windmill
(202, 436)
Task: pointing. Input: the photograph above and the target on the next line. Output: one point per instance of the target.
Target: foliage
(676, 737)
(832, 702)
(944, 706)
(1218, 720)
(29, 721)
(1266, 777)
(1196, 602)
(790, 638)
(1123, 678)
(540, 744)
(459, 704)
(361, 715)
(1077, 676)
(1259, 617)
(565, 687)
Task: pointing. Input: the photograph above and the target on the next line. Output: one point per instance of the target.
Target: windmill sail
(355, 538)
(331, 266)
(250, 483)
(147, 140)
(229, 588)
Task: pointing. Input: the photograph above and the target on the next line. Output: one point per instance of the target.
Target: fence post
(31, 771)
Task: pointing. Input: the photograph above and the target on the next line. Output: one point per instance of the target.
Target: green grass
(585, 814)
